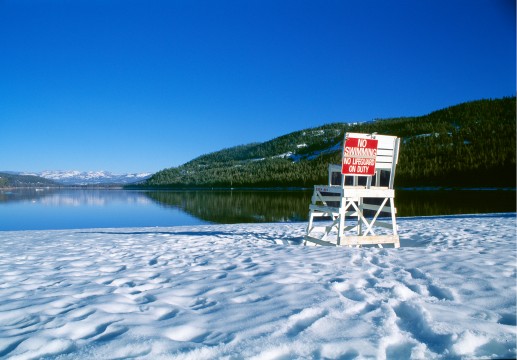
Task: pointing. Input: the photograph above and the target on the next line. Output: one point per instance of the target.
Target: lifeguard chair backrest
(385, 163)
(387, 159)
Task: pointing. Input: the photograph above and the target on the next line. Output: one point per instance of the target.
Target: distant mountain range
(71, 178)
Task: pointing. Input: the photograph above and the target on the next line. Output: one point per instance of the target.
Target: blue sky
(138, 86)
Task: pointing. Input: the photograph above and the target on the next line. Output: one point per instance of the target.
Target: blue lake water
(79, 209)
(42, 209)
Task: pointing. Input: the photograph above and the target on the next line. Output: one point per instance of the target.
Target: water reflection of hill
(452, 202)
(25, 194)
(233, 206)
(238, 206)
(277, 206)
(73, 197)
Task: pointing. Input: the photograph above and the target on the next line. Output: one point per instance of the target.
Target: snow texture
(253, 291)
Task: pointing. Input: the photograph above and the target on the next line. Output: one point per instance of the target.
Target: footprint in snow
(508, 319)
(165, 313)
(376, 261)
(301, 321)
(187, 332)
(417, 273)
(112, 332)
(413, 319)
(202, 303)
(440, 293)
(354, 294)
(220, 276)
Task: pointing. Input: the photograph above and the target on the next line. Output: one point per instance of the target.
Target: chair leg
(393, 217)
(311, 219)
(394, 223)
(359, 222)
(341, 229)
(309, 226)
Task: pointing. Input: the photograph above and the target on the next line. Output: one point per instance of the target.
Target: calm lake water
(42, 209)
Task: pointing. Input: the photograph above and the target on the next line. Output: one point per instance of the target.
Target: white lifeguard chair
(359, 198)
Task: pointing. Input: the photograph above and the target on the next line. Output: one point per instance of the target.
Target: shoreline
(509, 215)
(277, 188)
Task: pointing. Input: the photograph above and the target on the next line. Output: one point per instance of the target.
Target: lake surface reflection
(41, 209)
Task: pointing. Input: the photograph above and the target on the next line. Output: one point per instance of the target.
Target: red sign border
(371, 144)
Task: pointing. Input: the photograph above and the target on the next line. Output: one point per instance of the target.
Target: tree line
(471, 144)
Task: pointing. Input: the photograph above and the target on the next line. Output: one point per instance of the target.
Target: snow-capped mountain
(75, 177)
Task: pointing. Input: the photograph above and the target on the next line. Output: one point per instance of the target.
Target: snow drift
(252, 291)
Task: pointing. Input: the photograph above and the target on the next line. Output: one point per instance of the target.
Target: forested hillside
(471, 144)
(8, 180)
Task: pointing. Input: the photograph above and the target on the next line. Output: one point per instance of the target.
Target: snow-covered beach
(253, 291)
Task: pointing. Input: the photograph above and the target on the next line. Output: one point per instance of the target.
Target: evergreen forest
(9, 180)
(467, 145)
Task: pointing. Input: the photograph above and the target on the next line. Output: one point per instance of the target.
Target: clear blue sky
(142, 85)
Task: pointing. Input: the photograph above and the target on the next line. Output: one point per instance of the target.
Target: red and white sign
(359, 156)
